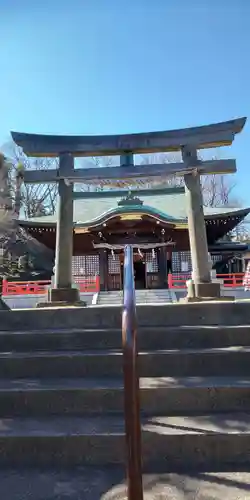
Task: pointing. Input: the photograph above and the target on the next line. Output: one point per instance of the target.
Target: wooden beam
(208, 136)
(80, 195)
(95, 175)
(120, 246)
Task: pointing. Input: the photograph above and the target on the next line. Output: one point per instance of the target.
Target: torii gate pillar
(200, 287)
(62, 292)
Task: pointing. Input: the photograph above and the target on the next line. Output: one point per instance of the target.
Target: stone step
(138, 291)
(203, 442)
(141, 296)
(42, 397)
(171, 363)
(148, 338)
(138, 296)
(220, 313)
(140, 301)
(110, 483)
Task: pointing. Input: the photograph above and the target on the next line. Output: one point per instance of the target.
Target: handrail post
(131, 381)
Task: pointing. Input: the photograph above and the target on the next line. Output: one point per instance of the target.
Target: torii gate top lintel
(208, 136)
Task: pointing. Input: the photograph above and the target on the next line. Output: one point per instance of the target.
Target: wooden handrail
(131, 380)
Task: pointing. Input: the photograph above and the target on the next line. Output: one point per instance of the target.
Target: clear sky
(120, 66)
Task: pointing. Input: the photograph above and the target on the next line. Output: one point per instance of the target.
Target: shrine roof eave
(35, 223)
(208, 136)
(139, 210)
(160, 216)
(111, 214)
(241, 213)
(229, 246)
(142, 210)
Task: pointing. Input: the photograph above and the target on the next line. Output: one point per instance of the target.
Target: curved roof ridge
(144, 209)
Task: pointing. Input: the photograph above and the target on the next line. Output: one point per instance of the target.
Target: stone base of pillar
(203, 292)
(70, 295)
(63, 297)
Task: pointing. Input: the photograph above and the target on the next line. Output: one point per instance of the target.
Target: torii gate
(187, 141)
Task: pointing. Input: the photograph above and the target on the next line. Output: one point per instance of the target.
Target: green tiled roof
(171, 206)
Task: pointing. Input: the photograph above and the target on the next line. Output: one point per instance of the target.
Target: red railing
(232, 280)
(90, 284)
(176, 281)
(24, 287)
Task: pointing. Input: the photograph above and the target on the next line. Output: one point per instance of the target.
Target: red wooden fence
(90, 284)
(232, 280)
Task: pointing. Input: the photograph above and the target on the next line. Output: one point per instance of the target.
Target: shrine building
(155, 224)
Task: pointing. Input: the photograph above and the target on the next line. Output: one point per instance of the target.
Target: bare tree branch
(33, 199)
(218, 191)
(36, 200)
(20, 254)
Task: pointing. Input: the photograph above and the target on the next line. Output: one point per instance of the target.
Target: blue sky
(120, 66)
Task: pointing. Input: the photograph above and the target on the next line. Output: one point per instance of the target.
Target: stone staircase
(143, 296)
(61, 390)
